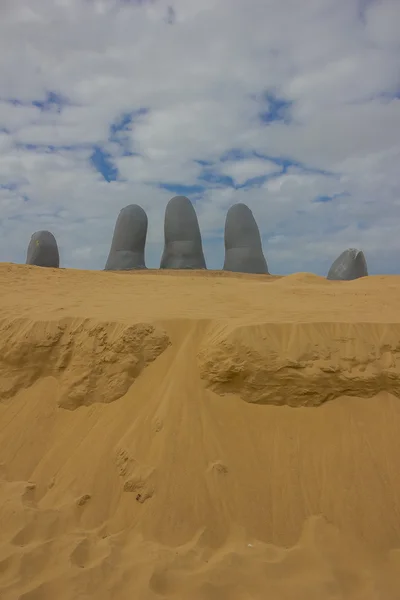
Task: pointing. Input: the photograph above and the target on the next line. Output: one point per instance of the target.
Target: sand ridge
(191, 435)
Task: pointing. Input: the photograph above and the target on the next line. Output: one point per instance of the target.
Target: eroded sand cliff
(198, 435)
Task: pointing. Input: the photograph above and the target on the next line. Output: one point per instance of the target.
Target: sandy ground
(198, 436)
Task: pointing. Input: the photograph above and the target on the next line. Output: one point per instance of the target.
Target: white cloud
(203, 81)
(14, 117)
(382, 23)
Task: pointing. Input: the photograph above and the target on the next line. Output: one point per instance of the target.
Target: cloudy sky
(290, 106)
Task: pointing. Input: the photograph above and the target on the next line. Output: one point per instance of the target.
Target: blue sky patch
(171, 15)
(119, 131)
(11, 187)
(210, 173)
(120, 124)
(255, 181)
(277, 109)
(52, 102)
(235, 154)
(102, 162)
(49, 148)
(284, 163)
(204, 163)
(211, 177)
(13, 101)
(124, 122)
(181, 190)
(288, 163)
(325, 199)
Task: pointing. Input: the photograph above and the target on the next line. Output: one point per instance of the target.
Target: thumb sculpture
(43, 250)
(129, 240)
(243, 247)
(351, 264)
(183, 248)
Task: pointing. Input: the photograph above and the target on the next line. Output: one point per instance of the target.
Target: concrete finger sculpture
(243, 247)
(183, 248)
(43, 250)
(129, 240)
(351, 264)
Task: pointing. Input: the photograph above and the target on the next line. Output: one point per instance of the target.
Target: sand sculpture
(43, 250)
(243, 247)
(129, 240)
(183, 248)
(351, 264)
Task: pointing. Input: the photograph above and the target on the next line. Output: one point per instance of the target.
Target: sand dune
(197, 435)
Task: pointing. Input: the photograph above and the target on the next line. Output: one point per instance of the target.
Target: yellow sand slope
(198, 436)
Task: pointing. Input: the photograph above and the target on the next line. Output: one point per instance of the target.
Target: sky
(290, 107)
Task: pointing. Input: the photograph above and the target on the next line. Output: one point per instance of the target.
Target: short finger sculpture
(43, 250)
(351, 264)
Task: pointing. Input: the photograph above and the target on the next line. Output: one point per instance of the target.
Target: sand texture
(198, 436)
